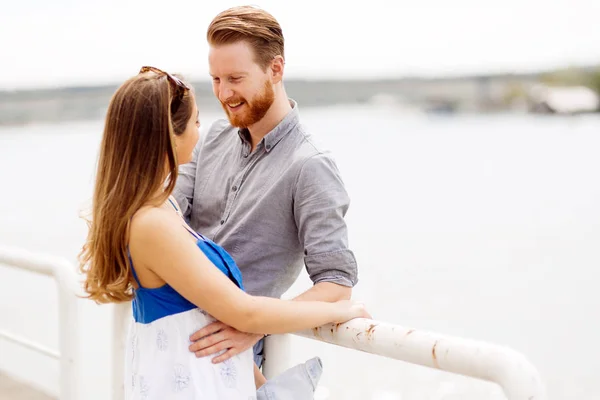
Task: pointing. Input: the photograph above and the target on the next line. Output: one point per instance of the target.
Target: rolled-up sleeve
(320, 205)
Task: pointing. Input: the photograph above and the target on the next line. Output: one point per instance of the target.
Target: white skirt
(159, 365)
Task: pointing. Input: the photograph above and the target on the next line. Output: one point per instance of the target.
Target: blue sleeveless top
(150, 304)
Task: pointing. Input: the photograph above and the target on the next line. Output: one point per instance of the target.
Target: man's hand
(216, 337)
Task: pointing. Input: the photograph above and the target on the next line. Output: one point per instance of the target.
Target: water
(484, 227)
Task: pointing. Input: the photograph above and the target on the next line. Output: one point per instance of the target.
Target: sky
(87, 42)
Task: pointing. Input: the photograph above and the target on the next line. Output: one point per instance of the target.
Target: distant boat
(441, 107)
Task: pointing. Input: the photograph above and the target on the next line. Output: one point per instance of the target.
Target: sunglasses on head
(175, 81)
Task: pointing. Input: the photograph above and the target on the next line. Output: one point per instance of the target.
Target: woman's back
(159, 364)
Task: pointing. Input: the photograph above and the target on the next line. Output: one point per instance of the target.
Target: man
(257, 184)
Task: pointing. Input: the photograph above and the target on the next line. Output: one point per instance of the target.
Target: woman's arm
(160, 243)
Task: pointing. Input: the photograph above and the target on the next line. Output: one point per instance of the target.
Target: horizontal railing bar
(511, 370)
(30, 345)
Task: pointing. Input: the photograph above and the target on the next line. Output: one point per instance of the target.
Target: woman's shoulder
(151, 223)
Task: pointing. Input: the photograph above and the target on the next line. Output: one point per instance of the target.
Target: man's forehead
(230, 58)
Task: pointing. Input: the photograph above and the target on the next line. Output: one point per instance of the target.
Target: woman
(140, 248)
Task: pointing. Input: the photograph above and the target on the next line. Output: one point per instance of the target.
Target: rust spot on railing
(317, 332)
(434, 356)
(337, 326)
(409, 332)
(370, 331)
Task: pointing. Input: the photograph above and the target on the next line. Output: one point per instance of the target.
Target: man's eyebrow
(232, 74)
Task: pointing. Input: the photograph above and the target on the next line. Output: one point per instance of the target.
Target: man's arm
(326, 291)
(186, 181)
(320, 205)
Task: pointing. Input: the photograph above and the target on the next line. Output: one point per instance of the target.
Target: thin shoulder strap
(133, 269)
(173, 204)
(193, 232)
(190, 230)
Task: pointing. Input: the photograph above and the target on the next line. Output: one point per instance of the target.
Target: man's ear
(277, 66)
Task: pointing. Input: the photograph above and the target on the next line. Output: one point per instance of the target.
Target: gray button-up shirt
(273, 209)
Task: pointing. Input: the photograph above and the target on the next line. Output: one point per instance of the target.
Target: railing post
(277, 353)
(121, 313)
(68, 329)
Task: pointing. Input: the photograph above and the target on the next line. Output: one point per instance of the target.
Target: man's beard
(253, 111)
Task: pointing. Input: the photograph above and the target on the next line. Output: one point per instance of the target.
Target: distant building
(563, 100)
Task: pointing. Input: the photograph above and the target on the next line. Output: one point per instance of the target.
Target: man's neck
(279, 109)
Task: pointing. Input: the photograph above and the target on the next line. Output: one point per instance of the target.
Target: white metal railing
(501, 365)
(68, 344)
(517, 377)
(121, 316)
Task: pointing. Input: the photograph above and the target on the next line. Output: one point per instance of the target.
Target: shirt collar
(276, 134)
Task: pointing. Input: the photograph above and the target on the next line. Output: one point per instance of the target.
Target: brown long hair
(253, 25)
(138, 139)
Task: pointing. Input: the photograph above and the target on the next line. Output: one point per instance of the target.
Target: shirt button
(234, 188)
(222, 221)
(268, 147)
(246, 155)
